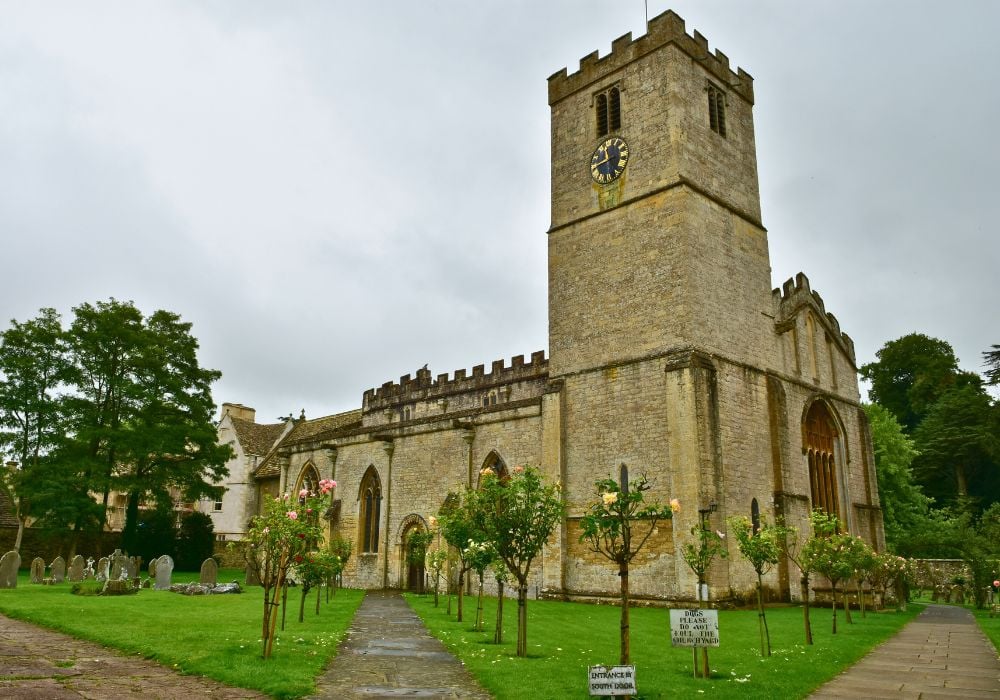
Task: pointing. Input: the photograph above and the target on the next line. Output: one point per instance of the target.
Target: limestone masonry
(668, 352)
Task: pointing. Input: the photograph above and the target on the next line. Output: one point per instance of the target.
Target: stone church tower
(669, 353)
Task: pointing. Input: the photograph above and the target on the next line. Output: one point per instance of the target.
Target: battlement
(666, 28)
(422, 387)
(797, 292)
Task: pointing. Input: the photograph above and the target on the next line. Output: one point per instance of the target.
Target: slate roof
(310, 431)
(257, 439)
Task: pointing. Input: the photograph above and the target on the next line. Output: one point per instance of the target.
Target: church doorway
(414, 550)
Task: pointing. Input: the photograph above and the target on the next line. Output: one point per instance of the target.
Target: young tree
(459, 527)
(311, 570)
(825, 552)
(792, 547)
(195, 541)
(517, 518)
(480, 555)
(608, 529)
(502, 576)
(699, 558)
(761, 549)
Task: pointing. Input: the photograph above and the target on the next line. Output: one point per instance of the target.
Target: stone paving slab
(39, 663)
(940, 654)
(388, 653)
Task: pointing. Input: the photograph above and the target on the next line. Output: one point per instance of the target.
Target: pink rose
(292, 515)
(303, 493)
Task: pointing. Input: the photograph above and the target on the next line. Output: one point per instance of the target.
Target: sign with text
(612, 680)
(694, 628)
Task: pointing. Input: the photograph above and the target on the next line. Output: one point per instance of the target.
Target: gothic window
(716, 110)
(820, 440)
(495, 464)
(370, 497)
(308, 480)
(608, 105)
(755, 516)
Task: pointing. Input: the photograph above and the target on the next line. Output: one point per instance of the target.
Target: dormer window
(609, 111)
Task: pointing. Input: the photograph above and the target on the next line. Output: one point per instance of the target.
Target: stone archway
(412, 571)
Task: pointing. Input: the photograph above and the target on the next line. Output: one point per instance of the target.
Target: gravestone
(132, 566)
(152, 568)
(88, 573)
(58, 569)
(76, 568)
(252, 579)
(102, 573)
(209, 572)
(37, 570)
(164, 568)
(117, 562)
(9, 564)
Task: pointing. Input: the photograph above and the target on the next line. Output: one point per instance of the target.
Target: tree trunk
(765, 635)
(834, 586)
(284, 604)
(461, 590)
(437, 584)
(273, 621)
(847, 607)
(624, 626)
(522, 619)
(861, 599)
(302, 604)
(804, 588)
(20, 527)
(317, 599)
(267, 613)
(479, 606)
(498, 633)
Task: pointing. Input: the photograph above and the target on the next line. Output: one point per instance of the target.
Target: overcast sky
(336, 193)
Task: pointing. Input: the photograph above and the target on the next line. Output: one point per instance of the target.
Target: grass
(213, 636)
(565, 638)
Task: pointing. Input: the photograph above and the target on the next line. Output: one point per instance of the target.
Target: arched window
(370, 497)
(308, 480)
(820, 439)
(755, 515)
(608, 106)
(494, 463)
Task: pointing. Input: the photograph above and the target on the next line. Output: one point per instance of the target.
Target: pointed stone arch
(496, 464)
(307, 479)
(822, 445)
(411, 574)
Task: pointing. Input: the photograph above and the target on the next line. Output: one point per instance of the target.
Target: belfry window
(716, 110)
(608, 106)
(370, 496)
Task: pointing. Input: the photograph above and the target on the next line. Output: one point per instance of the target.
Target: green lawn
(214, 636)
(565, 638)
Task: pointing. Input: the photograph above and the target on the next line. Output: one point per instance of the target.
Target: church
(669, 352)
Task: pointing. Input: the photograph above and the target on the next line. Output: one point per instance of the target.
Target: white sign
(613, 680)
(694, 628)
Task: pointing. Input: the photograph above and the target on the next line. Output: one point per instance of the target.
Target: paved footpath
(39, 663)
(388, 653)
(940, 654)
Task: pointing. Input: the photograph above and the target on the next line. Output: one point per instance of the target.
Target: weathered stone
(58, 569)
(103, 566)
(164, 570)
(209, 572)
(117, 564)
(76, 568)
(223, 588)
(251, 577)
(9, 564)
(37, 570)
(152, 568)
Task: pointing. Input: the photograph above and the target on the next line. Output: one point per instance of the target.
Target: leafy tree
(905, 508)
(762, 550)
(311, 571)
(459, 527)
(143, 410)
(825, 552)
(156, 535)
(517, 518)
(699, 559)
(502, 576)
(992, 361)
(195, 541)
(794, 548)
(480, 555)
(33, 365)
(958, 447)
(911, 373)
(616, 526)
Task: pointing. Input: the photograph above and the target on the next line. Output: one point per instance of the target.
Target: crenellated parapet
(422, 387)
(796, 293)
(663, 29)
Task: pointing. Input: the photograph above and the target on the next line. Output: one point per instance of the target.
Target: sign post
(694, 628)
(612, 680)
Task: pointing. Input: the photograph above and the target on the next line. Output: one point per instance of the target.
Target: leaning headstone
(152, 568)
(103, 566)
(37, 570)
(209, 572)
(58, 568)
(76, 568)
(164, 568)
(9, 564)
(252, 579)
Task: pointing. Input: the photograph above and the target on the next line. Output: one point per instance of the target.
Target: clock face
(609, 160)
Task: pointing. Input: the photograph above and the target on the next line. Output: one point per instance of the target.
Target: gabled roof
(308, 431)
(257, 439)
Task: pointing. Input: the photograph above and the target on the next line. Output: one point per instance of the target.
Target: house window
(716, 110)
(370, 496)
(217, 506)
(820, 441)
(609, 111)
